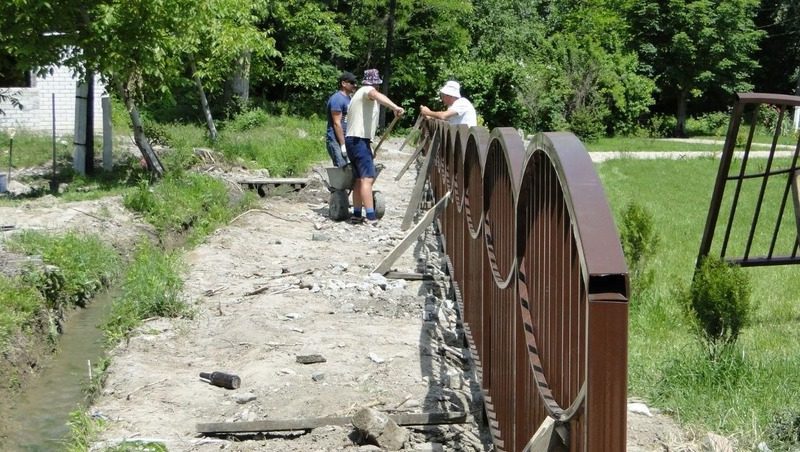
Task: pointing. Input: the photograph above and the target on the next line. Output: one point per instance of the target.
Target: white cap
(451, 88)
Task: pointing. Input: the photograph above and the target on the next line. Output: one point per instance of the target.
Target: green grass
(32, 149)
(638, 144)
(186, 202)
(286, 146)
(19, 307)
(151, 288)
(84, 262)
(741, 394)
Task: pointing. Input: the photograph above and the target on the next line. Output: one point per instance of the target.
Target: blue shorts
(360, 154)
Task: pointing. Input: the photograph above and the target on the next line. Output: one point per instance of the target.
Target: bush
(661, 126)
(639, 243)
(587, 123)
(719, 301)
(715, 123)
(249, 119)
(768, 120)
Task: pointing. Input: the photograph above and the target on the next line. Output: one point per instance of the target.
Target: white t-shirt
(362, 116)
(465, 113)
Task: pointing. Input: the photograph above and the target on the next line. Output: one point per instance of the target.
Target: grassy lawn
(635, 144)
(747, 395)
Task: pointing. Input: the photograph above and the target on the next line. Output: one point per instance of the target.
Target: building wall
(37, 105)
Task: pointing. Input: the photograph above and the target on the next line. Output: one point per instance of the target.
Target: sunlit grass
(151, 288)
(667, 364)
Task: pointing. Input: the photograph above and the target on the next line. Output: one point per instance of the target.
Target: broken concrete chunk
(244, 397)
(310, 359)
(380, 429)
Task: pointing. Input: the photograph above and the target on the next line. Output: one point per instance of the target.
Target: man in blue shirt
(336, 110)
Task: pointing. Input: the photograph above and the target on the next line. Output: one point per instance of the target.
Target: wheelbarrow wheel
(379, 202)
(339, 205)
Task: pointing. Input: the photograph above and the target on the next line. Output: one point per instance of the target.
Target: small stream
(38, 417)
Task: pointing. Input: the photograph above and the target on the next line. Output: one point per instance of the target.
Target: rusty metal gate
(540, 279)
(753, 199)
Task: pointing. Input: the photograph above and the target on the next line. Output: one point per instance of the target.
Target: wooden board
(278, 425)
(275, 181)
(263, 186)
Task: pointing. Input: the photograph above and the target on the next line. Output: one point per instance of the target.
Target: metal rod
(53, 186)
(10, 152)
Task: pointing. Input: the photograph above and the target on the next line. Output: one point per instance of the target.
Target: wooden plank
(385, 135)
(411, 133)
(422, 178)
(411, 159)
(278, 425)
(409, 276)
(384, 266)
(275, 181)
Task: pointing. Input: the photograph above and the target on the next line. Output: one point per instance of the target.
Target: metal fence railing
(540, 279)
(758, 202)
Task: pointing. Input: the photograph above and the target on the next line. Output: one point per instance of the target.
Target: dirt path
(315, 297)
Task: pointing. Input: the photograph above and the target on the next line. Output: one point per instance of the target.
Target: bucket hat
(371, 77)
(451, 88)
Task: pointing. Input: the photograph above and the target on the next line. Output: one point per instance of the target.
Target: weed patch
(151, 288)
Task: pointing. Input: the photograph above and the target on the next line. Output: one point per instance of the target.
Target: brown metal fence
(760, 223)
(541, 281)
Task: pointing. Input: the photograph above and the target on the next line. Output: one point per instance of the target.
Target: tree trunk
(212, 129)
(237, 87)
(139, 137)
(680, 127)
(387, 65)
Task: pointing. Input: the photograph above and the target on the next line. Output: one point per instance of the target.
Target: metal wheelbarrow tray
(340, 184)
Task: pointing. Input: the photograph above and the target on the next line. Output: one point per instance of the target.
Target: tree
(308, 40)
(138, 47)
(427, 37)
(779, 55)
(690, 46)
(219, 45)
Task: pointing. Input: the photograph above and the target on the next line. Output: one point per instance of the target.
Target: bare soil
(281, 282)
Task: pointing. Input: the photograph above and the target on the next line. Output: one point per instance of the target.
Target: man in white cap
(459, 109)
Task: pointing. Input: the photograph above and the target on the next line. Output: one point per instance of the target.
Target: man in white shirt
(362, 121)
(459, 109)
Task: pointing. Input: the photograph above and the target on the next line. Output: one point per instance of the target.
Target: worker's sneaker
(357, 220)
(373, 223)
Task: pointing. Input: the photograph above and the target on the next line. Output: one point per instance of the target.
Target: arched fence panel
(541, 283)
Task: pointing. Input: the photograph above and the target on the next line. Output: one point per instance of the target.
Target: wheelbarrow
(340, 184)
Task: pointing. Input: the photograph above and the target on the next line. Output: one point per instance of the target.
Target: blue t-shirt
(337, 102)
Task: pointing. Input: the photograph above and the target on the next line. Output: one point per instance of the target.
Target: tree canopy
(591, 66)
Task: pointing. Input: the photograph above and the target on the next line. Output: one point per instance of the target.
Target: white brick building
(37, 105)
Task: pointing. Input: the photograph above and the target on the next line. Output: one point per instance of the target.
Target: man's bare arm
(386, 102)
(443, 115)
(336, 116)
